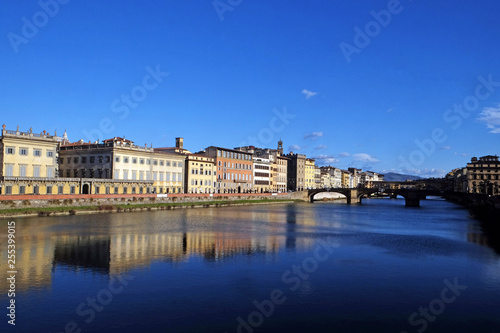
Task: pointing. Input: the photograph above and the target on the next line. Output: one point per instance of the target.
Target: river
(321, 267)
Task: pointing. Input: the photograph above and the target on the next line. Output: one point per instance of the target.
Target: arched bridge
(354, 195)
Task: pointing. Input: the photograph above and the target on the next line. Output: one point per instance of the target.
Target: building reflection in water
(116, 243)
(291, 228)
(87, 252)
(484, 235)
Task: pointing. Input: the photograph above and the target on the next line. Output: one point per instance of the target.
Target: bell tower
(280, 147)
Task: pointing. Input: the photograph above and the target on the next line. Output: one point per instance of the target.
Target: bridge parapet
(354, 195)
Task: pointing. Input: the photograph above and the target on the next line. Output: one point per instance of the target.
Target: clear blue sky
(255, 71)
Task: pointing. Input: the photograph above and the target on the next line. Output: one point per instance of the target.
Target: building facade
(201, 174)
(234, 169)
(296, 171)
(281, 174)
(483, 175)
(310, 182)
(29, 163)
(143, 168)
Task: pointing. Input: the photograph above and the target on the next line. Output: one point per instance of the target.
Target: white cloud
(423, 173)
(362, 157)
(313, 136)
(446, 147)
(325, 159)
(294, 147)
(309, 93)
(491, 117)
(320, 147)
(389, 110)
(344, 154)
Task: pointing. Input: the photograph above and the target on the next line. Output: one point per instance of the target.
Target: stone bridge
(354, 195)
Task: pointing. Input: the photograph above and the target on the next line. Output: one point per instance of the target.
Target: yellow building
(483, 175)
(346, 177)
(310, 174)
(28, 162)
(133, 169)
(201, 174)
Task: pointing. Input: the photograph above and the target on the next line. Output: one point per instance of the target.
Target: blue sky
(405, 86)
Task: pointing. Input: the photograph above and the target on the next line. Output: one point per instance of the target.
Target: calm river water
(322, 267)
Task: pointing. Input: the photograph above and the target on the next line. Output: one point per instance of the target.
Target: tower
(280, 147)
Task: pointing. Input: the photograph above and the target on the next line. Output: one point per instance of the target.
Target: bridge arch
(343, 191)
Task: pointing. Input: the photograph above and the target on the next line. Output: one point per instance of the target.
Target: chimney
(179, 143)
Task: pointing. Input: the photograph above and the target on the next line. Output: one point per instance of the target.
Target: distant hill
(397, 177)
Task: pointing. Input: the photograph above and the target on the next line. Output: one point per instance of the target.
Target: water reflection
(116, 243)
(484, 234)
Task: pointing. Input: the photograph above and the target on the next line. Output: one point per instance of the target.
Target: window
(174, 164)
(134, 175)
(8, 189)
(60, 190)
(22, 189)
(36, 189)
(72, 190)
(9, 170)
(125, 190)
(61, 160)
(108, 159)
(10, 150)
(117, 174)
(148, 161)
(96, 191)
(50, 172)
(22, 170)
(141, 175)
(68, 160)
(133, 190)
(23, 151)
(68, 173)
(168, 176)
(161, 176)
(141, 161)
(125, 174)
(100, 159)
(84, 159)
(49, 189)
(168, 163)
(92, 159)
(155, 162)
(141, 190)
(117, 159)
(75, 160)
(75, 173)
(162, 163)
(108, 190)
(134, 160)
(116, 190)
(37, 152)
(125, 159)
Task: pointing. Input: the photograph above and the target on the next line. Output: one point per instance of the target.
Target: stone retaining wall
(24, 201)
